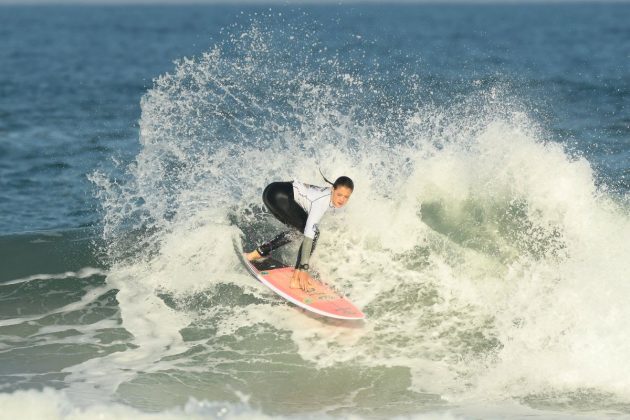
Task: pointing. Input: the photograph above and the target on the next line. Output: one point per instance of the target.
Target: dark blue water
(71, 83)
(487, 239)
(72, 77)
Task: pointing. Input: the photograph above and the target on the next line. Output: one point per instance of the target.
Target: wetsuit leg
(278, 198)
(280, 240)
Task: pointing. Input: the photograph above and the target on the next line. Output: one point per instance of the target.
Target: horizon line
(290, 2)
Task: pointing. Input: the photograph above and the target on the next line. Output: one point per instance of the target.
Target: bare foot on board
(254, 255)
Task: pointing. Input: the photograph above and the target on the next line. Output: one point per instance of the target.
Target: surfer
(301, 206)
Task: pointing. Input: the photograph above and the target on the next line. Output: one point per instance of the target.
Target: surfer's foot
(254, 255)
(295, 283)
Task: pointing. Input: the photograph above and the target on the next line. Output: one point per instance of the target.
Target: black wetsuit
(279, 198)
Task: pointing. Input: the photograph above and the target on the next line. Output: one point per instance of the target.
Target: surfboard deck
(320, 298)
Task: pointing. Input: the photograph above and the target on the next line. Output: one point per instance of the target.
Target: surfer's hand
(305, 280)
(301, 279)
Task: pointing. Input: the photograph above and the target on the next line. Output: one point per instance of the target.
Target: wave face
(489, 260)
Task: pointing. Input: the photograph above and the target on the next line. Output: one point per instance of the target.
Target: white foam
(89, 297)
(55, 405)
(83, 273)
(51, 404)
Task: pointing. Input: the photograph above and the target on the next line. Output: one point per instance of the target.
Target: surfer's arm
(311, 231)
(300, 276)
(307, 247)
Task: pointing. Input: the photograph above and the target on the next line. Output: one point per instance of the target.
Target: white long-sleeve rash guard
(316, 201)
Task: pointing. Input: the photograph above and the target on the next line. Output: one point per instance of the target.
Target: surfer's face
(340, 196)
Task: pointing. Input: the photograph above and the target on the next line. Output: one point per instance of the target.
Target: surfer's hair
(342, 181)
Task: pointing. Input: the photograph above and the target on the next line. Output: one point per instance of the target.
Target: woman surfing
(301, 206)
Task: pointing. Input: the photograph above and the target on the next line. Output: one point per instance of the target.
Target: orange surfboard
(319, 299)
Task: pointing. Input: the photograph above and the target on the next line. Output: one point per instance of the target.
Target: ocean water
(487, 240)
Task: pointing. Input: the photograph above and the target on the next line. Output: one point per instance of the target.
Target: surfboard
(320, 298)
